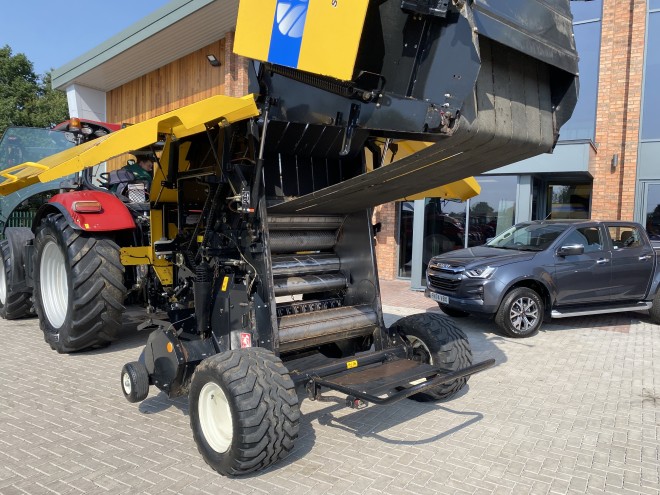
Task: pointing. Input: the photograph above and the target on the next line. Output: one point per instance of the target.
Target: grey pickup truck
(549, 269)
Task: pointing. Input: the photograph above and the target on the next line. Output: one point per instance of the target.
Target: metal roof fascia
(143, 29)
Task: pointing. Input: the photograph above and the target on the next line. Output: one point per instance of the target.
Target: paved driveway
(575, 409)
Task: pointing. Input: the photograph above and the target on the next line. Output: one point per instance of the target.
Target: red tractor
(60, 258)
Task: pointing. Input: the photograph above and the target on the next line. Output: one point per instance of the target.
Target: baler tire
(135, 381)
(436, 340)
(85, 311)
(244, 411)
(13, 305)
(454, 313)
(654, 312)
(521, 313)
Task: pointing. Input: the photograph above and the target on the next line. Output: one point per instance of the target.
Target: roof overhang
(171, 32)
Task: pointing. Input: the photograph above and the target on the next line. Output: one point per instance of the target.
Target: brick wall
(386, 240)
(619, 107)
(236, 67)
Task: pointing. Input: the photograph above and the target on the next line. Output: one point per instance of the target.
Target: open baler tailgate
(508, 119)
(182, 122)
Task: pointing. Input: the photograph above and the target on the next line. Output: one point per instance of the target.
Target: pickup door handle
(602, 261)
(645, 257)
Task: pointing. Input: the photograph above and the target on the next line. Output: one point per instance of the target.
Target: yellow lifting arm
(182, 122)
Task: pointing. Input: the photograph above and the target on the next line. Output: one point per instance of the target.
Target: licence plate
(439, 298)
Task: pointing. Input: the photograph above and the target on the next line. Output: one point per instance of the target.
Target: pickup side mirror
(570, 250)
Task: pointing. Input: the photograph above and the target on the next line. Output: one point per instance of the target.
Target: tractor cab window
(28, 144)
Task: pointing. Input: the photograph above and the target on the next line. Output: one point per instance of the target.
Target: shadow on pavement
(129, 337)
(370, 423)
(305, 442)
(614, 322)
(361, 424)
(159, 403)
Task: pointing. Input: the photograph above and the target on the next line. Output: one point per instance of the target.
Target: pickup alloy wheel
(521, 313)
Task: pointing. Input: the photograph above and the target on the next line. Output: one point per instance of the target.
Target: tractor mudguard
(77, 206)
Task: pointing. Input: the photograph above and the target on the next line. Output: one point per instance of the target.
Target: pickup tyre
(521, 313)
(654, 312)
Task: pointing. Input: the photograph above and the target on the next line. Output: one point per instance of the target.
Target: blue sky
(52, 33)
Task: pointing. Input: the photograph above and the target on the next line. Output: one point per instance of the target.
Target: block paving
(574, 409)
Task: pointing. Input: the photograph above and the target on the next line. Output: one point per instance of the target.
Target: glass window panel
(494, 210)
(589, 237)
(444, 228)
(27, 144)
(491, 212)
(569, 200)
(627, 236)
(582, 124)
(651, 104)
(654, 4)
(586, 11)
(406, 213)
(653, 211)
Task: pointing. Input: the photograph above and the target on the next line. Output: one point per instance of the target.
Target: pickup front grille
(445, 284)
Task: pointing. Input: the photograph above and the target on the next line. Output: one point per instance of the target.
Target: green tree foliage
(26, 99)
(483, 209)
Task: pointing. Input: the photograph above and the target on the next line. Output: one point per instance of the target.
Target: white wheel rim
(215, 417)
(418, 343)
(126, 383)
(3, 284)
(53, 284)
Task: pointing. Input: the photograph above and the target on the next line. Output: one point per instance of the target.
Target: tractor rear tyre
(13, 303)
(437, 341)
(244, 410)
(78, 286)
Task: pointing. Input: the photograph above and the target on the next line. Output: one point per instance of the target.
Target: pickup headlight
(485, 272)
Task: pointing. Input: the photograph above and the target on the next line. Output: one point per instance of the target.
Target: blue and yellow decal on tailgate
(319, 36)
(287, 32)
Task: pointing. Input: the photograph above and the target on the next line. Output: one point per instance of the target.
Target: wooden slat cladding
(182, 82)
